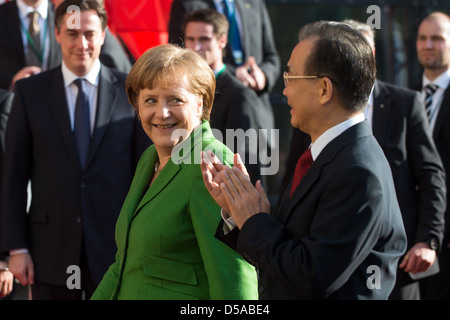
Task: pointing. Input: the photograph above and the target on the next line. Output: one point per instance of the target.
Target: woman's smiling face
(167, 107)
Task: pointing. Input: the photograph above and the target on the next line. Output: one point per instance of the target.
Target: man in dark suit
(73, 134)
(433, 51)
(235, 106)
(113, 54)
(338, 233)
(400, 125)
(15, 62)
(260, 66)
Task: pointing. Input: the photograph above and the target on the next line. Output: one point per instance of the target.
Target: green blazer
(165, 234)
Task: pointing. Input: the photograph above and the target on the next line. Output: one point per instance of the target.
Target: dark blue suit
(342, 221)
(70, 207)
(401, 128)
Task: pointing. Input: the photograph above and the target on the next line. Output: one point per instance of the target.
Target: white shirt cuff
(229, 223)
(17, 251)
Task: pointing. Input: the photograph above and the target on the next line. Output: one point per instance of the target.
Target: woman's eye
(150, 101)
(176, 101)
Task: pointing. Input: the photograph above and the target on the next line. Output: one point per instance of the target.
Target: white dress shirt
(92, 78)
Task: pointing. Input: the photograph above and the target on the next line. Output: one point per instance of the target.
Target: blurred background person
(165, 232)
(433, 52)
(235, 105)
(28, 45)
(27, 40)
(251, 54)
(73, 134)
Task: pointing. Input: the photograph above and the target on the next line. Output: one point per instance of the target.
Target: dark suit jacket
(12, 56)
(236, 107)
(342, 221)
(70, 207)
(441, 136)
(401, 128)
(258, 43)
(6, 98)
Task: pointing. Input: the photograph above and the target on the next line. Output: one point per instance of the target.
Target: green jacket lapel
(164, 177)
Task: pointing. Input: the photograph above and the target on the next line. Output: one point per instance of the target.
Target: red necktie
(303, 164)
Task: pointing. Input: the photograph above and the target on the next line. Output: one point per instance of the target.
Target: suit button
(83, 184)
(78, 219)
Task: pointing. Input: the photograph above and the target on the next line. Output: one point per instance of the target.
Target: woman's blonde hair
(168, 62)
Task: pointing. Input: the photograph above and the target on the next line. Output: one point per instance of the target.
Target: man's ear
(223, 40)
(327, 90)
(57, 35)
(103, 35)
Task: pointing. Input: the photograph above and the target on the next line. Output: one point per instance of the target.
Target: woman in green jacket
(165, 231)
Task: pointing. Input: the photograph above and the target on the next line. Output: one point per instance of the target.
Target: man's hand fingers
(242, 180)
(238, 163)
(231, 182)
(263, 194)
(228, 197)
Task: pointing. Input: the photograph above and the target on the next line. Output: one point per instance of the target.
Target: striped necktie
(430, 90)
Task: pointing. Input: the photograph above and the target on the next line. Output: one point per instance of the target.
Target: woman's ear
(200, 107)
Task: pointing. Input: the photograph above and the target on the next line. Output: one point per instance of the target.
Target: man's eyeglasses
(286, 77)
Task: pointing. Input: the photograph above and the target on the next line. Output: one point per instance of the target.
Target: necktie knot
(34, 23)
(79, 83)
(430, 90)
(304, 163)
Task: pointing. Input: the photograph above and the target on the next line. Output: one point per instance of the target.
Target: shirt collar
(24, 9)
(442, 81)
(329, 135)
(92, 76)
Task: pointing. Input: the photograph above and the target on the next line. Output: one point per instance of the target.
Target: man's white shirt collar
(442, 81)
(329, 135)
(92, 76)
